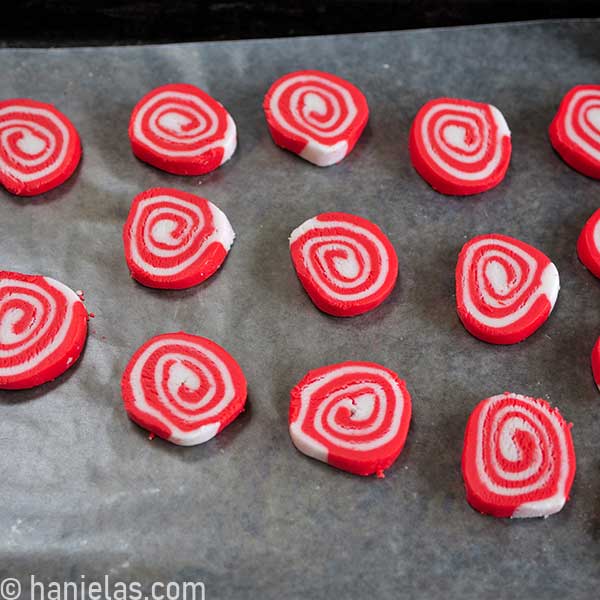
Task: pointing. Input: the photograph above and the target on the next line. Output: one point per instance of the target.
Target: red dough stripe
(346, 263)
(316, 115)
(173, 239)
(505, 289)
(353, 416)
(43, 327)
(518, 458)
(575, 130)
(39, 147)
(460, 147)
(184, 388)
(180, 129)
(588, 244)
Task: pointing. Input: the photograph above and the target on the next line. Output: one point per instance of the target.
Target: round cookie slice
(316, 115)
(518, 457)
(180, 129)
(175, 240)
(43, 328)
(183, 388)
(588, 244)
(460, 147)
(346, 264)
(575, 130)
(353, 415)
(39, 147)
(505, 288)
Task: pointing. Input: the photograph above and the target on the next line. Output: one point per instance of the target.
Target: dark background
(99, 22)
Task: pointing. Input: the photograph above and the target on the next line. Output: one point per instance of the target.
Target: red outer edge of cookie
(203, 250)
(212, 152)
(323, 299)
(12, 176)
(306, 138)
(68, 337)
(573, 149)
(444, 181)
(141, 406)
(355, 460)
(480, 319)
(587, 248)
(485, 488)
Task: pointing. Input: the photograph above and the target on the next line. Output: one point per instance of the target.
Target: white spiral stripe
(180, 375)
(549, 285)
(222, 233)
(571, 118)
(456, 110)
(63, 144)
(553, 503)
(315, 224)
(38, 355)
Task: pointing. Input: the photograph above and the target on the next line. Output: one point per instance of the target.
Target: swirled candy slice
(518, 458)
(505, 289)
(315, 115)
(596, 363)
(180, 129)
(353, 416)
(183, 388)
(174, 239)
(575, 130)
(588, 244)
(460, 147)
(346, 263)
(43, 327)
(39, 147)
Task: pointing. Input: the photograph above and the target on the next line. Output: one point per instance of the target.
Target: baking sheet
(83, 489)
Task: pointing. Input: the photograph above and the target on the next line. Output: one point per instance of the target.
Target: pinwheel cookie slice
(174, 239)
(43, 327)
(346, 264)
(518, 457)
(588, 244)
(354, 416)
(505, 289)
(180, 129)
(460, 147)
(575, 130)
(184, 388)
(316, 115)
(596, 363)
(39, 147)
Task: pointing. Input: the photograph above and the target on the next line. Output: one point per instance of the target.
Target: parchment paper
(83, 490)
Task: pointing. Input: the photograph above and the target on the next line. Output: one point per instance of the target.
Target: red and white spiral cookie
(353, 416)
(346, 264)
(575, 130)
(180, 129)
(316, 115)
(460, 147)
(518, 457)
(39, 147)
(43, 327)
(173, 239)
(588, 244)
(596, 363)
(505, 289)
(184, 388)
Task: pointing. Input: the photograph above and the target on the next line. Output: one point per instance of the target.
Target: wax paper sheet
(85, 492)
